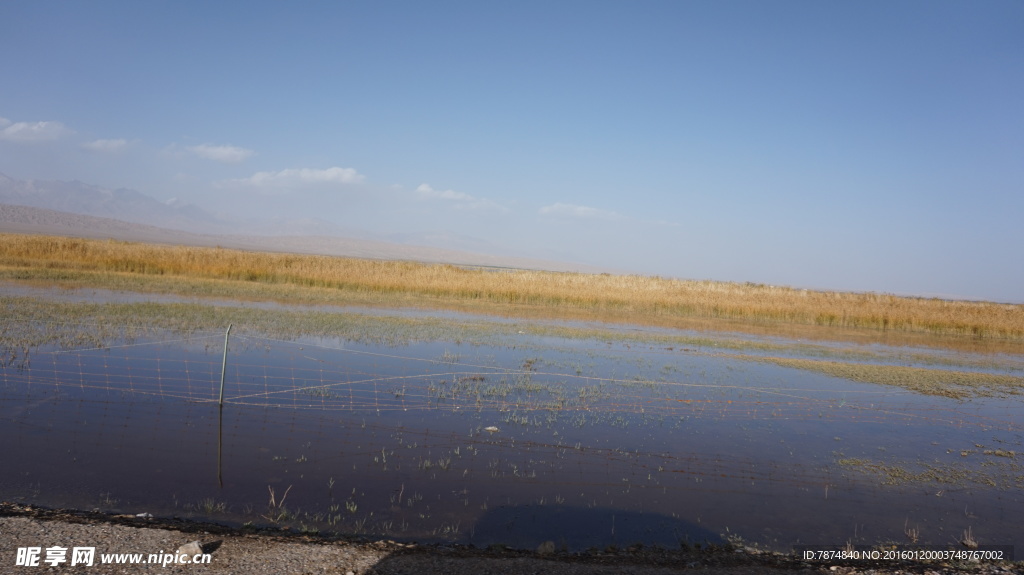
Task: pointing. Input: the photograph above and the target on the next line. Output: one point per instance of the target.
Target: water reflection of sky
(603, 443)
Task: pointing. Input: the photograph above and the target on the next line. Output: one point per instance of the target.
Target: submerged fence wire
(268, 372)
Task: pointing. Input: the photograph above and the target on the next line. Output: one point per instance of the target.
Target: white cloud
(301, 177)
(461, 200)
(226, 154)
(105, 145)
(579, 212)
(425, 191)
(32, 131)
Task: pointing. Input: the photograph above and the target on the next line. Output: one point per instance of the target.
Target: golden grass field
(106, 263)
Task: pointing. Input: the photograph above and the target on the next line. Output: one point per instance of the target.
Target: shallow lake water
(582, 442)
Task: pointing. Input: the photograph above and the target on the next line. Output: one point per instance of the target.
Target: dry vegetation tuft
(412, 282)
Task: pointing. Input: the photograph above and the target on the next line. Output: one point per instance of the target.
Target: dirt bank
(253, 552)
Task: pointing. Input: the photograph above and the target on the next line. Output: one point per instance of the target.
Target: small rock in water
(191, 549)
(546, 548)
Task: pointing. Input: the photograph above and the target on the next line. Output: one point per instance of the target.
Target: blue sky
(869, 146)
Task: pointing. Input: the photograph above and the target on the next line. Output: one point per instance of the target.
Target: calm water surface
(587, 443)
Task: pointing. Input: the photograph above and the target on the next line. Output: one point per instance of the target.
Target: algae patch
(941, 382)
(1000, 476)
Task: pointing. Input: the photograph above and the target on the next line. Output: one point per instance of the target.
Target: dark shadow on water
(501, 531)
(579, 528)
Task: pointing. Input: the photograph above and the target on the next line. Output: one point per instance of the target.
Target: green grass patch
(941, 382)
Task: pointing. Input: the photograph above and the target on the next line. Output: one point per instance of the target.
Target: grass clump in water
(941, 382)
(1007, 476)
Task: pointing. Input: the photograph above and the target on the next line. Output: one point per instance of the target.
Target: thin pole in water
(224, 365)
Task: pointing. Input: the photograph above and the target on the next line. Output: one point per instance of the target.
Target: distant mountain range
(82, 210)
(131, 206)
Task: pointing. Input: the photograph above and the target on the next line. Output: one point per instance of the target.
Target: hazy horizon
(861, 147)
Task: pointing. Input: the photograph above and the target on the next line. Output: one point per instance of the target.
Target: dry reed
(410, 281)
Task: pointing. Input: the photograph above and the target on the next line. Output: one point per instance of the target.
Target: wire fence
(270, 372)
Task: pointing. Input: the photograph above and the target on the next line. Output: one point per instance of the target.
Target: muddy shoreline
(255, 551)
